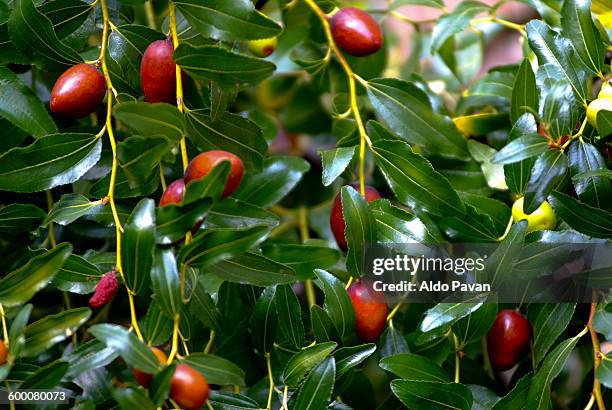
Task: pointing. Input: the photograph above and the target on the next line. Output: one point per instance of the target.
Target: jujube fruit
(541, 219)
(336, 217)
(105, 290)
(188, 387)
(508, 340)
(356, 32)
(173, 193)
(263, 47)
(158, 73)
(3, 352)
(144, 379)
(595, 106)
(370, 311)
(605, 91)
(77, 92)
(203, 163)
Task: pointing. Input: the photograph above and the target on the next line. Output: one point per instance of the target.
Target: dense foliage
(236, 275)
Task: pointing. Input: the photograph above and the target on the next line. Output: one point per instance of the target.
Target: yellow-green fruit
(542, 218)
(263, 47)
(595, 106)
(606, 90)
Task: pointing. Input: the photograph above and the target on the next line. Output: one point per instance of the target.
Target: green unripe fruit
(597, 105)
(263, 47)
(606, 90)
(542, 218)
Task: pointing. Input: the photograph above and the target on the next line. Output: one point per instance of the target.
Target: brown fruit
(356, 32)
(173, 193)
(77, 92)
(144, 379)
(370, 311)
(158, 73)
(3, 352)
(508, 340)
(188, 387)
(336, 217)
(203, 163)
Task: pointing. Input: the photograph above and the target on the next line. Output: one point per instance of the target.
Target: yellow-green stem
(4, 327)
(596, 357)
(211, 342)
(271, 380)
(175, 333)
(150, 14)
(457, 358)
(303, 223)
(51, 225)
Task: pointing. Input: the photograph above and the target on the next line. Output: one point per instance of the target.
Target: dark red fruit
(144, 379)
(78, 92)
(105, 290)
(3, 352)
(336, 217)
(356, 32)
(202, 164)
(188, 387)
(158, 73)
(370, 311)
(508, 340)
(173, 193)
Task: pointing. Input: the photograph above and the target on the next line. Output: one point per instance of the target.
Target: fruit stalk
(4, 328)
(363, 136)
(271, 379)
(111, 136)
(596, 358)
(308, 286)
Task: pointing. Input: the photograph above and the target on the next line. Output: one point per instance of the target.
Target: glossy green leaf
(475, 325)
(203, 307)
(233, 213)
(174, 221)
(349, 357)
(395, 225)
(231, 401)
(547, 172)
(88, 356)
(431, 395)
(133, 398)
(551, 321)
(604, 371)
(20, 285)
(166, 283)
(335, 162)
(515, 399)
(360, 229)
(264, 320)
(66, 15)
(337, 304)
(289, 314)
(447, 313)
(527, 146)
(322, 326)
(156, 327)
(16, 218)
(302, 258)
(238, 20)
(410, 366)
(217, 370)
(53, 329)
(140, 157)
(253, 269)
(21, 107)
(524, 92)
(159, 389)
(596, 191)
(71, 207)
(210, 186)
(152, 119)
(46, 377)
(517, 174)
(578, 26)
(138, 245)
(392, 342)
(136, 353)
(302, 362)
(582, 217)
(455, 22)
(16, 332)
(54, 160)
(77, 275)
(316, 390)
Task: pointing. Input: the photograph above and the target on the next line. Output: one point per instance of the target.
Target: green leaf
(414, 181)
(335, 162)
(538, 396)
(524, 92)
(410, 366)
(156, 327)
(300, 364)
(211, 186)
(360, 230)
(16, 332)
(550, 47)
(349, 357)
(527, 146)
(475, 325)
(498, 267)
(214, 245)
(32, 32)
(202, 306)
(547, 172)
(515, 399)
(337, 304)
(138, 245)
(584, 157)
(279, 176)
(21, 107)
(87, 356)
(577, 25)
(71, 207)
(166, 283)
(53, 329)
(395, 225)
(224, 67)
(392, 343)
(484, 154)
(46, 377)
(407, 111)
(160, 386)
(20, 285)
(174, 221)
(152, 119)
(132, 398)
(230, 401)
(322, 325)
(582, 217)
(416, 394)
(264, 320)
(66, 15)
(450, 24)
(604, 371)
(551, 321)
(133, 351)
(289, 316)
(315, 392)
(302, 258)
(447, 313)
(253, 269)
(54, 160)
(232, 213)
(230, 132)
(140, 157)
(16, 218)
(77, 275)
(236, 20)
(517, 175)
(217, 370)
(560, 111)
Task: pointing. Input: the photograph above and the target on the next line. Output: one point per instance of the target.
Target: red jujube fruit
(370, 311)
(336, 217)
(508, 340)
(105, 290)
(158, 73)
(77, 92)
(144, 379)
(203, 163)
(188, 387)
(356, 32)
(173, 193)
